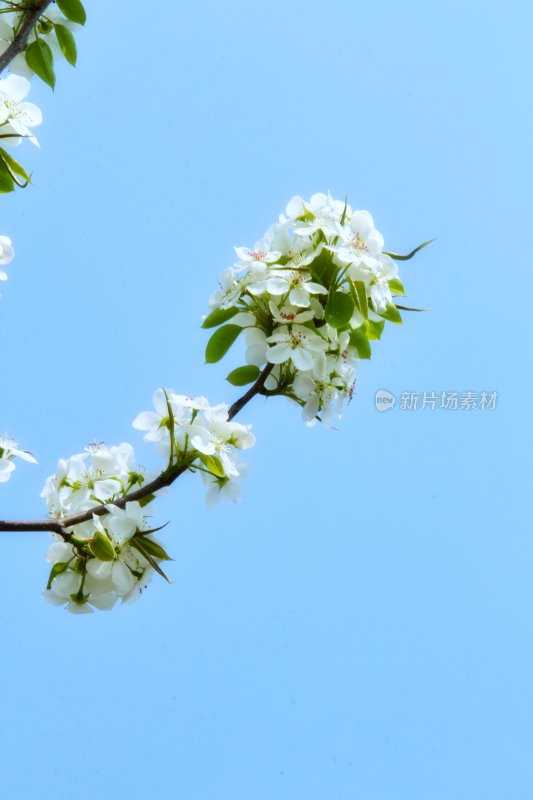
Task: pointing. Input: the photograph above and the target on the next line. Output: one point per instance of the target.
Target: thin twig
(166, 478)
(31, 15)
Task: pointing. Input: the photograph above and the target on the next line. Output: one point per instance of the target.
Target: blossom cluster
(310, 296)
(191, 434)
(105, 557)
(111, 554)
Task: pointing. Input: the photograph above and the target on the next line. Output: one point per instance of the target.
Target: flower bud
(101, 547)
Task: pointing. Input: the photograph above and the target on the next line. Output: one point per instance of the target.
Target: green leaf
(6, 181)
(57, 569)
(339, 309)
(220, 342)
(398, 257)
(14, 167)
(396, 286)
(358, 290)
(392, 314)
(101, 547)
(408, 308)
(243, 375)
(359, 340)
(323, 269)
(374, 329)
(139, 545)
(73, 10)
(155, 550)
(218, 316)
(144, 501)
(40, 59)
(67, 43)
(213, 464)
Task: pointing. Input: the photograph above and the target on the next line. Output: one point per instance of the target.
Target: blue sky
(361, 625)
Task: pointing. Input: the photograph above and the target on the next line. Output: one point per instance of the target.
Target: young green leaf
(359, 340)
(243, 375)
(392, 314)
(339, 309)
(398, 257)
(220, 342)
(358, 291)
(396, 286)
(67, 43)
(409, 308)
(155, 550)
(374, 329)
(323, 269)
(6, 181)
(40, 59)
(139, 545)
(73, 10)
(213, 464)
(218, 316)
(14, 167)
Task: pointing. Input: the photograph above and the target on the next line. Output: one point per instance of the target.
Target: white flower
(321, 389)
(17, 117)
(259, 255)
(6, 254)
(8, 452)
(234, 286)
(293, 283)
(295, 343)
(321, 213)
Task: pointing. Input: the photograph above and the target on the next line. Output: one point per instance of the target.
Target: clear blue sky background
(361, 626)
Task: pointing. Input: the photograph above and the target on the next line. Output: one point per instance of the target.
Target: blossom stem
(32, 14)
(166, 478)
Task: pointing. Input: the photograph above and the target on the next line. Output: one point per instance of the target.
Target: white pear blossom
(17, 117)
(295, 343)
(296, 285)
(9, 450)
(201, 437)
(6, 255)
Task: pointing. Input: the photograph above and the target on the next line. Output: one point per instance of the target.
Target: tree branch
(31, 15)
(166, 478)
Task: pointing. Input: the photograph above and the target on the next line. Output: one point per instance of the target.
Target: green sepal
(213, 464)
(218, 316)
(73, 10)
(359, 340)
(358, 291)
(398, 257)
(67, 43)
(396, 286)
(392, 314)
(339, 309)
(243, 375)
(40, 59)
(220, 342)
(57, 569)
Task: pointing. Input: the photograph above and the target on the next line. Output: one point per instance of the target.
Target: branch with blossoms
(309, 300)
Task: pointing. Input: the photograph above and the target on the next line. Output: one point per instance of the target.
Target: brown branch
(166, 478)
(31, 15)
